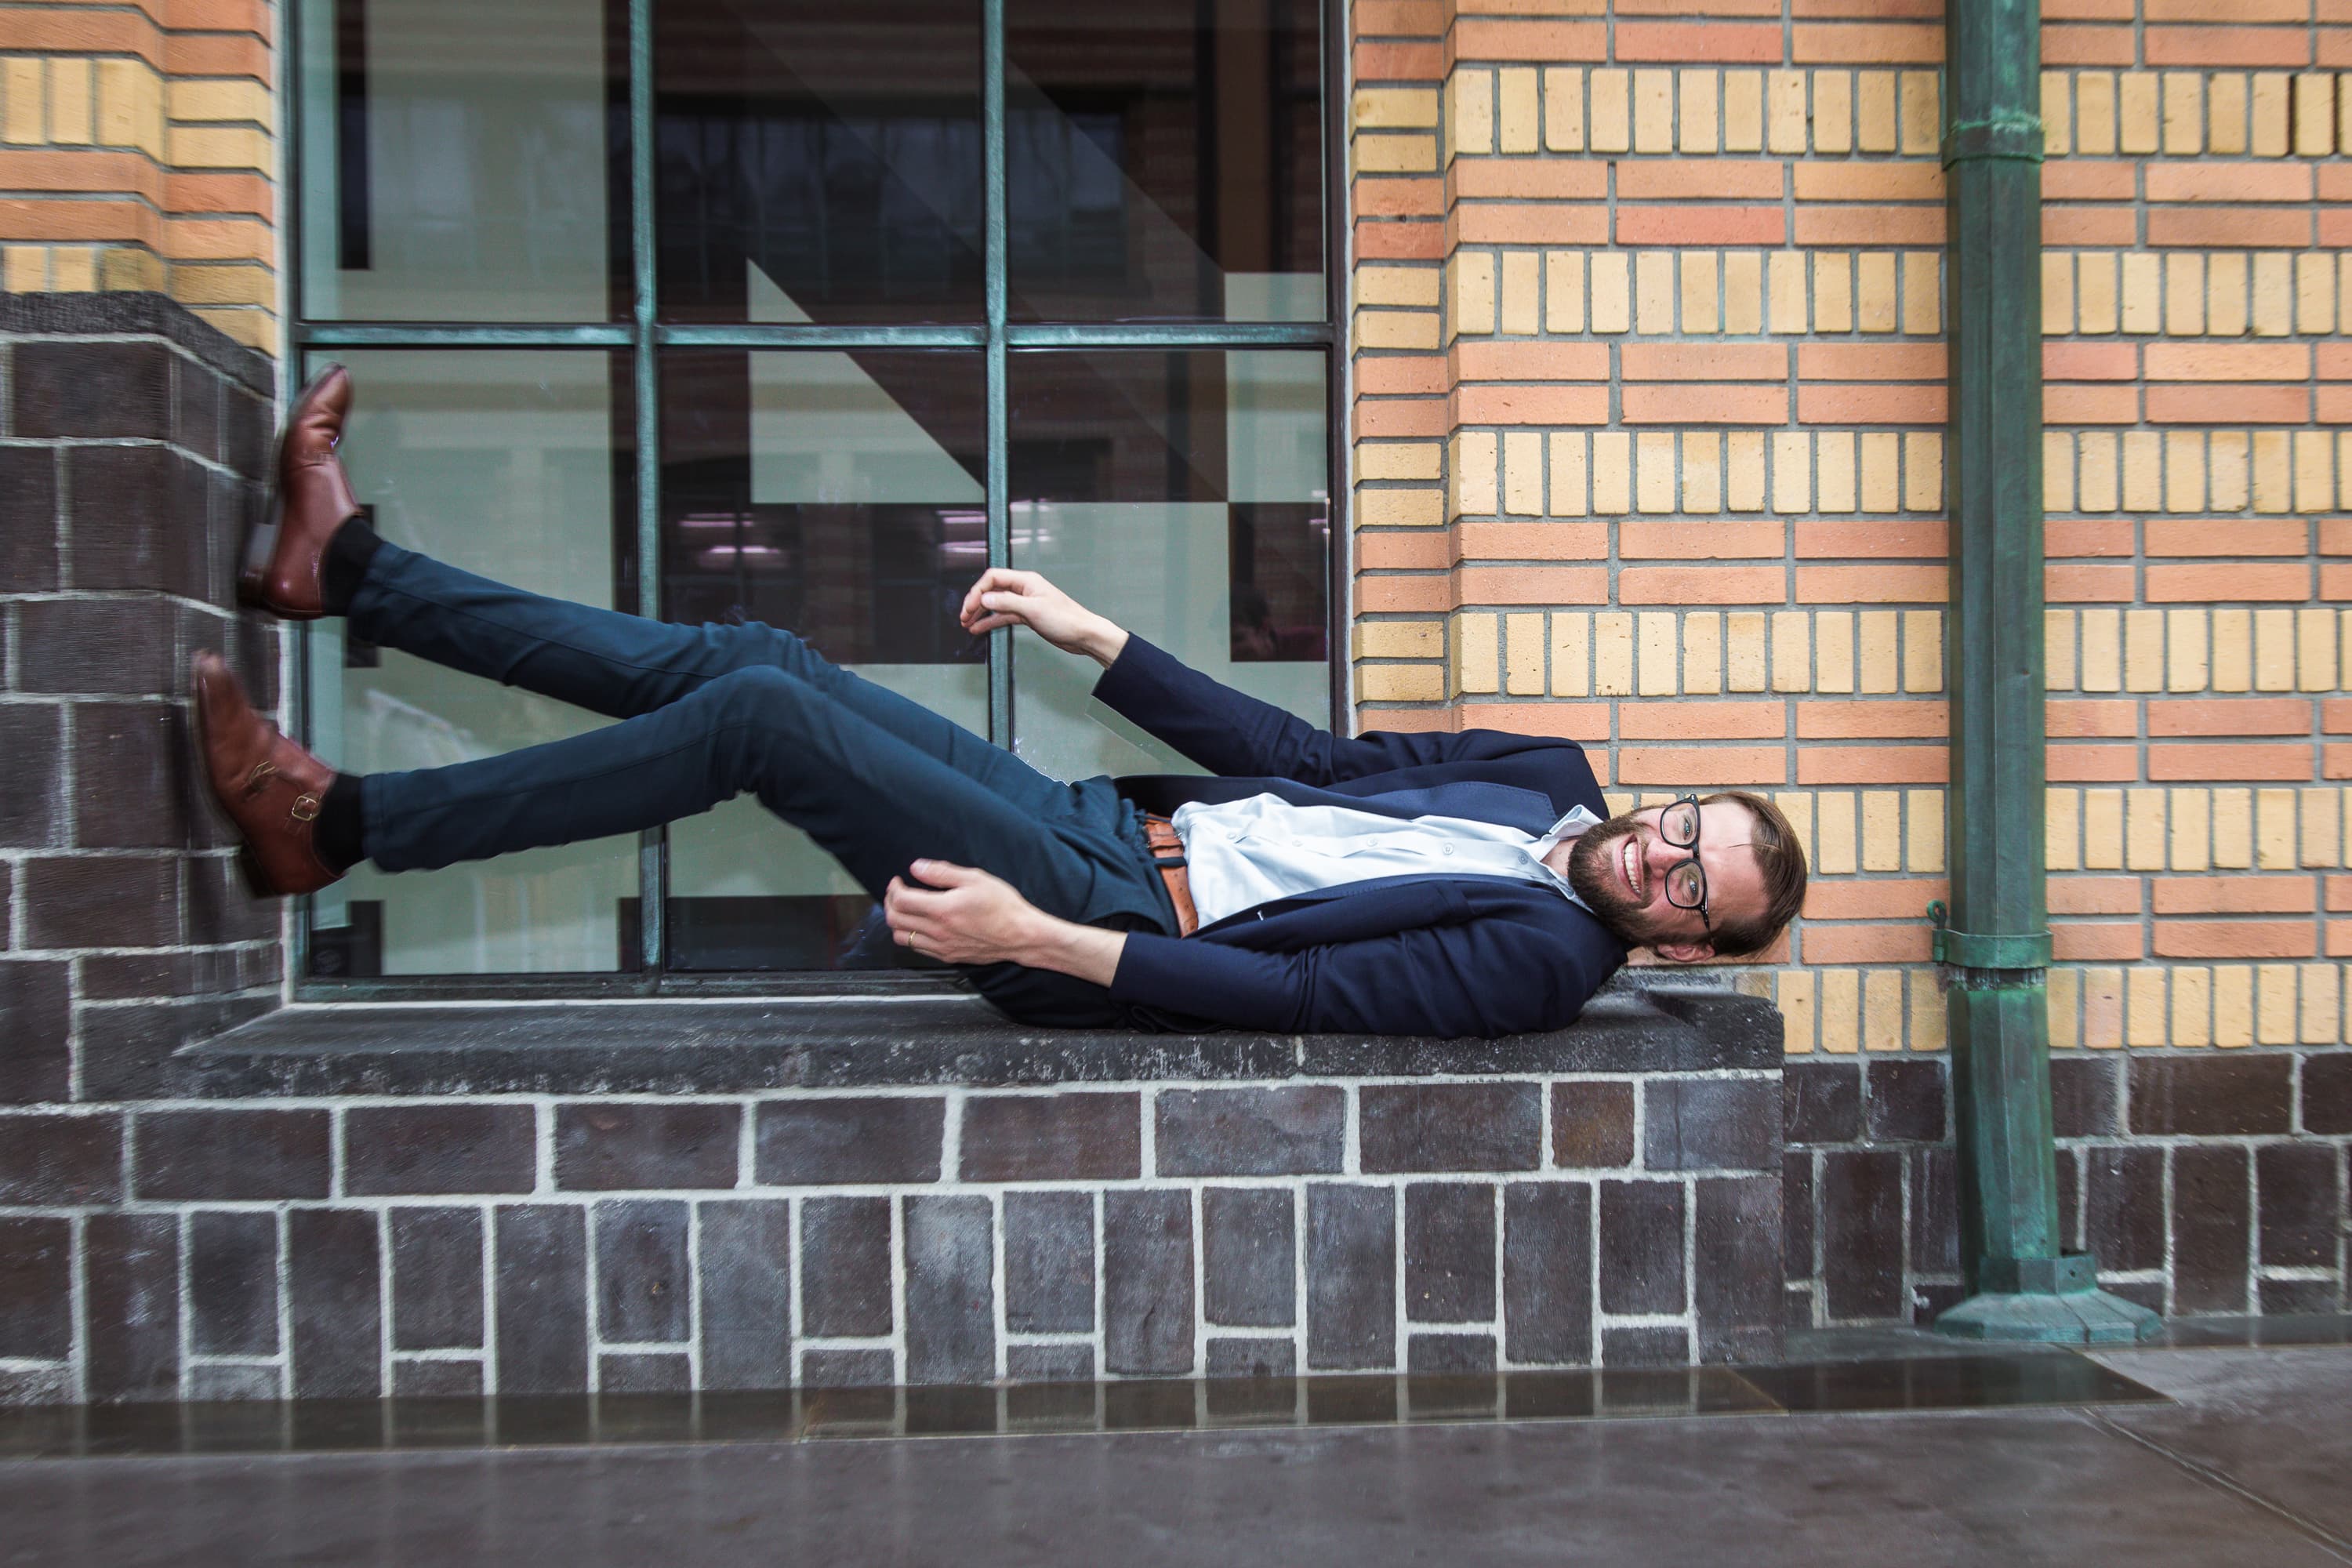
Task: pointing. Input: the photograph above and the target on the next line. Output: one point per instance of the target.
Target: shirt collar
(1574, 823)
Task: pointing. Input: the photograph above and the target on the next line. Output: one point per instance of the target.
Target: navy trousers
(709, 712)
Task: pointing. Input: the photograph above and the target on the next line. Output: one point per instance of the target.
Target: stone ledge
(738, 1046)
(136, 315)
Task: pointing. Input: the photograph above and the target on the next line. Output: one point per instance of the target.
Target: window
(766, 310)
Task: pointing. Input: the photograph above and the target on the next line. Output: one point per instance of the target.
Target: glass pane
(464, 163)
(1164, 159)
(841, 496)
(1185, 495)
(817, 165)
(513, 464)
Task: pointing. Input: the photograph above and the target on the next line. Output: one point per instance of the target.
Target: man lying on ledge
(1422, 884)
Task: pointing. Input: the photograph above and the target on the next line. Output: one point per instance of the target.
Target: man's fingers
(994, 579)
(971, 606)
(903, 904)
(909, 901)
(972, 594)
(994, 607)
(945, 874)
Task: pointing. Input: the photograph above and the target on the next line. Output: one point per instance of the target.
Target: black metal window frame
(644, 336)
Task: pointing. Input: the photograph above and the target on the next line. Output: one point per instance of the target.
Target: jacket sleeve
(1429, 980)
(1232, 733)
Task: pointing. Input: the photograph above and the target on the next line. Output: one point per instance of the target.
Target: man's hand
(971, 917)
(1004, 597)
(959, 914)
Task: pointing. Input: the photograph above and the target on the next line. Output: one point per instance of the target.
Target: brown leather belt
(1168, 855)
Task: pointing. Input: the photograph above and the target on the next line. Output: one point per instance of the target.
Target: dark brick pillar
(132, 443)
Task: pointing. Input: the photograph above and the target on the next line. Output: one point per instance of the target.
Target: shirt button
(1447, 849)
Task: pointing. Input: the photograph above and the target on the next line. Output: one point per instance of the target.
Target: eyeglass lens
(1686, 883)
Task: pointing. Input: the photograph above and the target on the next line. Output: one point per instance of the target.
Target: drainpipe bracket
(1986, 950)
(2012, 136)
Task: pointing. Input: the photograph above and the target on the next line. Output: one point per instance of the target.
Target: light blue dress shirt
(1247, 852)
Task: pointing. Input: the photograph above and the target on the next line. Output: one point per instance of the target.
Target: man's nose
(1660, 855)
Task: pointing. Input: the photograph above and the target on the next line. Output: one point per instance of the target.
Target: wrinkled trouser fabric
(713, 711)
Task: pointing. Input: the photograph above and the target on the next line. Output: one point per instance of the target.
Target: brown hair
(1782, 859)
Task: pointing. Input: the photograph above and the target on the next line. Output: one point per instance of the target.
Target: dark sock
(337, 834)
(346, 563)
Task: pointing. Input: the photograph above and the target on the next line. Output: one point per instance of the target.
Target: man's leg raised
(872, 799)
(324, 561)
(627, 666)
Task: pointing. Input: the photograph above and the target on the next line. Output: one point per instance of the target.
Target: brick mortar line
(383, 1206)
(795, 1238)
(146, 203)
(29, 700)
(387, 1365)
(591, 1257)
(63, 446)
(1000, 1236)
(902, 1370)
(798, 1094)
(78, 1299)
(493, 1329)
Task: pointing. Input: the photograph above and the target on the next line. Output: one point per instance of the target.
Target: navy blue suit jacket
(1400, 956)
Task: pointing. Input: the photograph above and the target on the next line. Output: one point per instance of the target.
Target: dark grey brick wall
(132, 442)
(424, 1244)
(2205, 1183)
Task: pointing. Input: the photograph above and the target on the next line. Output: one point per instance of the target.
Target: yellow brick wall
(1647, 341)
(137, 151)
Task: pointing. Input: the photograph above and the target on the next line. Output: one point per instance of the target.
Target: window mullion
(1000, 475)
(652, 844)
(1338, 507)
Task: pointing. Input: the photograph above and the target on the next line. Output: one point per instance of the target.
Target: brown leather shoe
(283, 572)
(270, 788)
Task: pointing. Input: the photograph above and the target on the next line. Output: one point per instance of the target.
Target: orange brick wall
(137, 151)
(2193, 295)
(1648, 451)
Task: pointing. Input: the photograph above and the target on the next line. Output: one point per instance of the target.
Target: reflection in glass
(836, 152)
(502, 462)
(1164, 159)
(458, 161)
(1185, 495)
(841, 496)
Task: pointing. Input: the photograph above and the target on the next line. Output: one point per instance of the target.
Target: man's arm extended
(1004, 597)
(1227, 732)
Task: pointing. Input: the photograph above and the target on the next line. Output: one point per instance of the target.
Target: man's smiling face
(1619, 867)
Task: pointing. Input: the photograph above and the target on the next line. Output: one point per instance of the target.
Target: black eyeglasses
(1686, 881)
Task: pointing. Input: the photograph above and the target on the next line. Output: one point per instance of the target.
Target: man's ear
(1685, 951)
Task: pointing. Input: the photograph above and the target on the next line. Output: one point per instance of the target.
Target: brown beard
(1590, 862)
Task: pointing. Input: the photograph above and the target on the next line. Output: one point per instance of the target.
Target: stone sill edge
(738, 1046)
(137, 313)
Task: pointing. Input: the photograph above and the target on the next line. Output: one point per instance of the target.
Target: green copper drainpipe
(1994, 943)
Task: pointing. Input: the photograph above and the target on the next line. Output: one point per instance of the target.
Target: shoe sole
(261, 545)
(257, 881)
